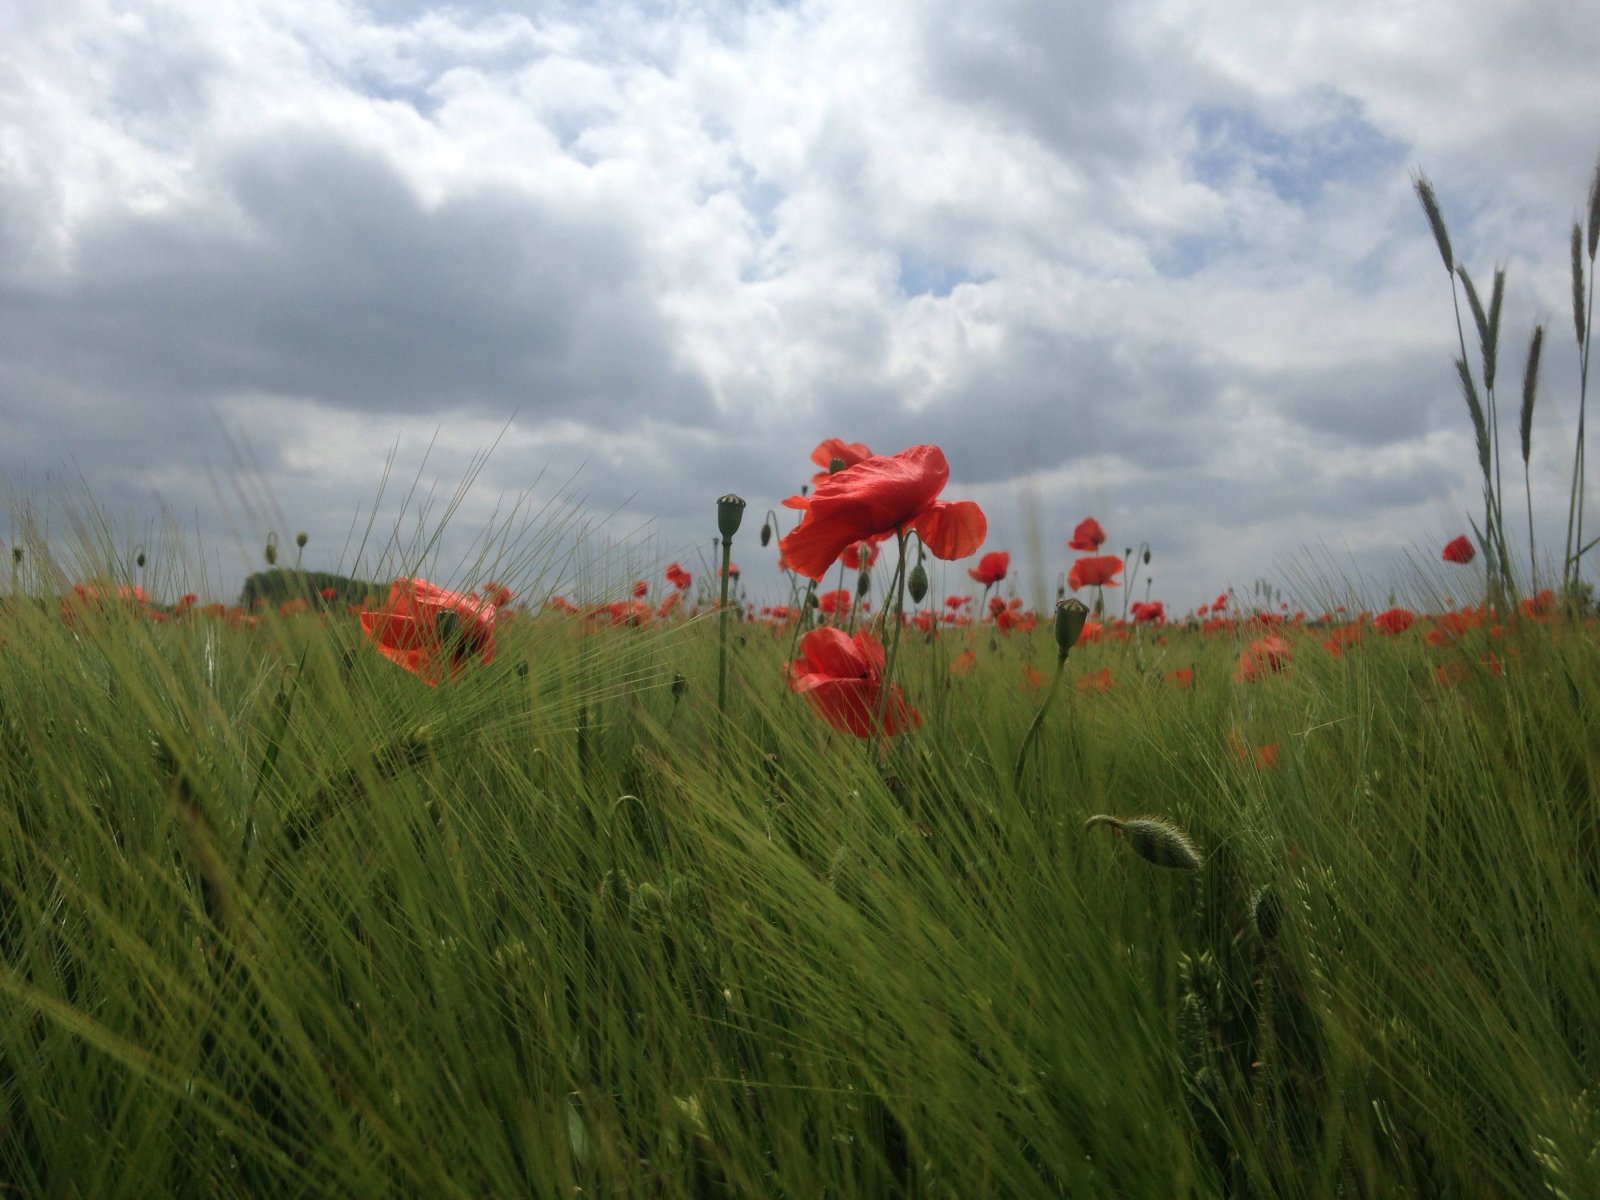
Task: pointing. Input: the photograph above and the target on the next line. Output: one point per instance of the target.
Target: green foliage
(278, 919)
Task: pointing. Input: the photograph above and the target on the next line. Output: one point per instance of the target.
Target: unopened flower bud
(1266, 913)
(300, 539)
(1070, 616)
(766, 532)
(271, 552)
(1154, 840)
(917, 584)
(730, 512)
(863, 584)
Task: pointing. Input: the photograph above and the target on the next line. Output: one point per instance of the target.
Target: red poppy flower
(641, 589)
(428, 630)
(964, 663)
(1182, 678)
(1260, 657)
(1099, 571)
(1458, 550)
(1541, 604)
(678, 577)
(859, 556)
(1088, 536)
(1394, 620)
(849, 453)
(1151, 612)
(1095, 681)
(836, 601)
(842, 679)
(884, 495)
(991, 568)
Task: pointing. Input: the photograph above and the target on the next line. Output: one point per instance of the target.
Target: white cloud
(1163, 263)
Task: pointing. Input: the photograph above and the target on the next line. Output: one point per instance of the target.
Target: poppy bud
(1266, 913)
(300, 539)
(16, 554)
(917, 584)
(730, 512)
(138, 560)
(680, 685)
(766, 533)
(1147, 556)
(1070, 616)
(1154, 840)
(863, 584)
(271, 552)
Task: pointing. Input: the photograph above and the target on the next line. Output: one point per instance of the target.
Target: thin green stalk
(898, 587)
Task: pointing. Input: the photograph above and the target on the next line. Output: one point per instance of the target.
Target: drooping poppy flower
(430, 631)
(1088, 536)
(1101, 570)
(1394, 620)
(678, 577)
(849, 453)
(878, 496)
(991, 568)
(1459, 550)
(842, 679)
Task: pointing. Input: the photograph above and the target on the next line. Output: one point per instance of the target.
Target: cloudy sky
(302, 264)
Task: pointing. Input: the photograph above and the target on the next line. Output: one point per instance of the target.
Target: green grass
(277, 919)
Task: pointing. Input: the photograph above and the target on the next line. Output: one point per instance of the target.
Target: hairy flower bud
(917, 583)
(1154, 840)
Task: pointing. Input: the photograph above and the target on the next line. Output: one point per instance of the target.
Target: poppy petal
(952, 528)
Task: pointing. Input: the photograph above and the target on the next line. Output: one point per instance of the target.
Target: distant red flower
(964, 663)
(678, 577)
(859, 556)
(1152, 612)
(849, 453)
(1088, 536)
(836, 601)
(883, 495)
(733, 571)
(641, 589)
(1032, 677)
(1459, 550)
(842, 679)
(1261, 657)
(1394, 620)
(1101, 570)
(1095, 681)
(1182, 678)
(329, 593)
(413, 630)
(668, 603)
(991, 568)
(1540, 604)
(496, 594)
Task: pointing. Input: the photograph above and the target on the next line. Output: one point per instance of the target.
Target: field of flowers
(352, 890)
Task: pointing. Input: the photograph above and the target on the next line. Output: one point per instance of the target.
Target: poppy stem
(898, 586)
(722, 630)
(1036, 724)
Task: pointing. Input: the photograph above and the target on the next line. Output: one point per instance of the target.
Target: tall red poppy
(883, 495)
(849, 453)
(842, 679)
(678, 577)
(1088, 536)
(429, 631)
(991, 568)
(1100, 570)
(1459, 550)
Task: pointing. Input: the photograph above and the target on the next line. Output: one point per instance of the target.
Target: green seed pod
(271, 552)
(1154, 840)
(730, 512)
(300, 539)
